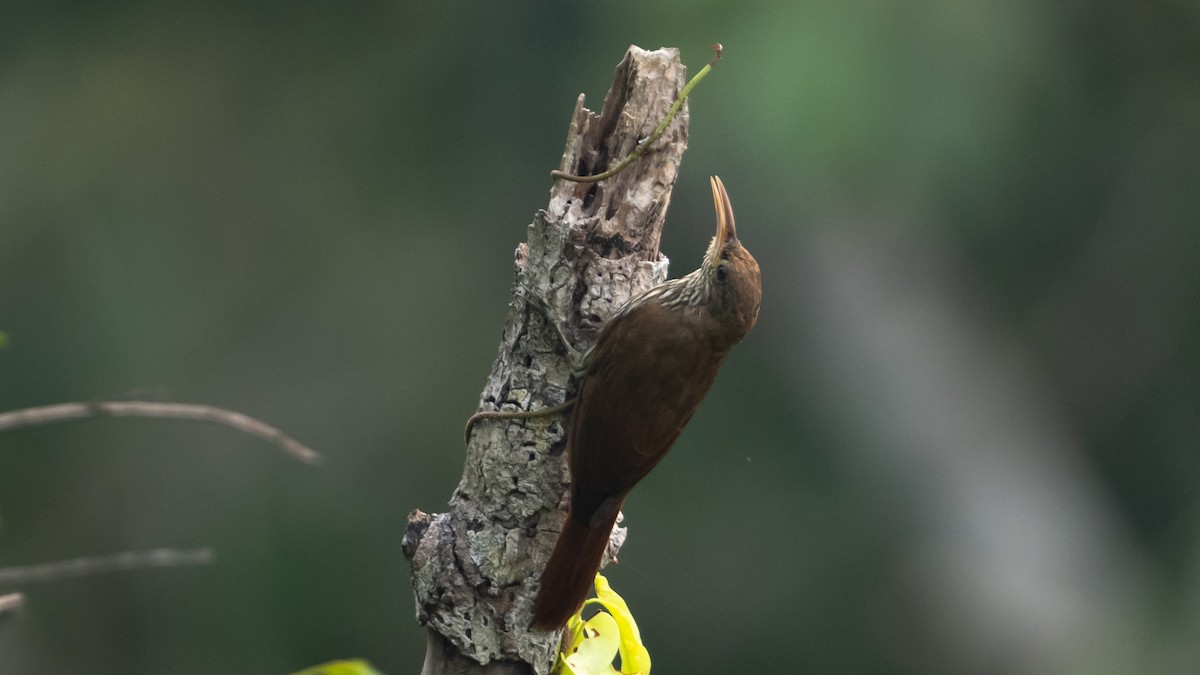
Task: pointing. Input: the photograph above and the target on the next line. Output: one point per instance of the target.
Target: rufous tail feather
(572, 568)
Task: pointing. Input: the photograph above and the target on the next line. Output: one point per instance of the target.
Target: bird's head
(730, 272)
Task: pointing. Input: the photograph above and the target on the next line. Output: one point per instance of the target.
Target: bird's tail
(572, 569)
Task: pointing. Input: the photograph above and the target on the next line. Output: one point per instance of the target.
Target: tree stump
(475, 567)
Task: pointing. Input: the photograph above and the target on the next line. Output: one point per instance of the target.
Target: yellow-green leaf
(574, 633)
(635, 658)
(593, 654)
(590, 646)
(355, 667)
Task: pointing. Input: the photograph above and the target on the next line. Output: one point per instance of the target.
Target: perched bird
(651, 365)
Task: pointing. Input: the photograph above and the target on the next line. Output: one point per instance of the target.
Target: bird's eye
(722, 272)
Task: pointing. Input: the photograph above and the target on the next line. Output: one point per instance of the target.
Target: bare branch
(11, 602)
(117, 562)
(181, 411)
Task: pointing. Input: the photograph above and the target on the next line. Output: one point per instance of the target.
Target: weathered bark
(475, 568)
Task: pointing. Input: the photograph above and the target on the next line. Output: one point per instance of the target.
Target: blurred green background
(964, 437)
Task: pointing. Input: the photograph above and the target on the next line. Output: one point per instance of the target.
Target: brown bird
(651, 365)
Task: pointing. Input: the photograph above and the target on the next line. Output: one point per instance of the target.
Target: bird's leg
(575, 358)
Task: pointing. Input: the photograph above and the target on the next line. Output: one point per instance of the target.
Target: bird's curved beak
(726, 229)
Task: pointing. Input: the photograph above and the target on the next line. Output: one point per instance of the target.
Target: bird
(650, 366)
